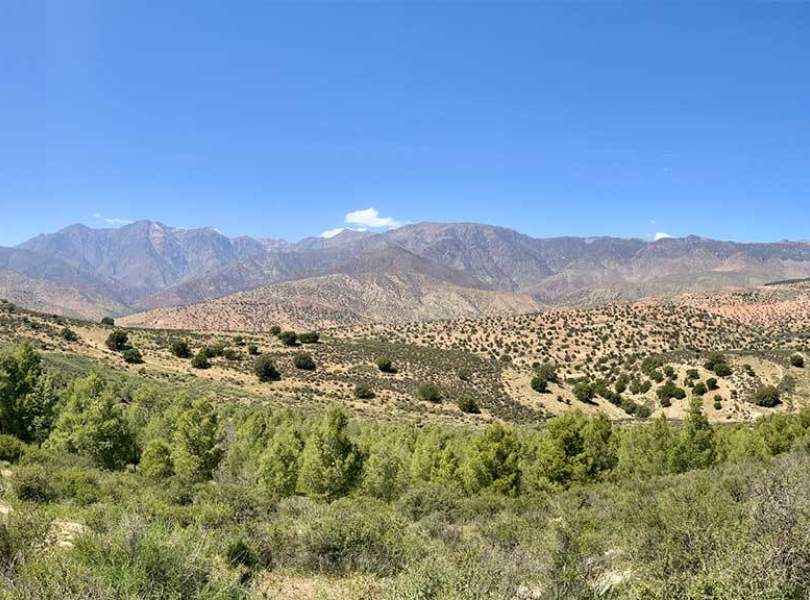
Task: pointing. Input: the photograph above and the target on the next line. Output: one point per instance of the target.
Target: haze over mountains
(420, 271)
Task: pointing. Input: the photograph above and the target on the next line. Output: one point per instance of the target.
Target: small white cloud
(370, 217)
(661, 236)
(112, 220)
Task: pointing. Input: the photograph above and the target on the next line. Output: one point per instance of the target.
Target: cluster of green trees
(325, 457)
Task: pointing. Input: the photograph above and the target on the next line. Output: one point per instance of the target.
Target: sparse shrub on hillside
(288, 338)
(33, 484)
(711, 384)
(304, 361)
(108, 321)
(429, 392)
(232, 354)
(265, 369)
(539, 384)
(584, 392)
(797, 360)
(68, 334)
(200, 360)
(253, 349)
(309, 337)
(467, 404)
(670, 391)
(363, 391)
(385, 365)
(274, 330)
(723, 370)
(180, 348)
(117, 341)
(767, 396)
(700, 389)
(132, 356)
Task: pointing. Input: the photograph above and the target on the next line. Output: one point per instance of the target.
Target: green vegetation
(304, 361)
(118, 341)
(180, 348)
(124, 488)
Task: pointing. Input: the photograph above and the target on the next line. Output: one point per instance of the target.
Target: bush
(797, 360)
(722, 370)
(700, 389)
(231, 354)
(767, 396)
(109, 321)
(385, 365)
(265, 369)
(584, 392)
(711, 384)
(363, 391)
(68, 335)
(32, 483)
(275, 330)
(310, 337)
(132, 356)
(117, 341)
(668, 391)
(180, 349)
(539, 384)
(429, 393)
(468, 405)
(253, 349)
(11, 449)
(156, 461)
(304, 361)
(200, 360)
(288, 338)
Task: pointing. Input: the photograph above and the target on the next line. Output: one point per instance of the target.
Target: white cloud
(661, 236)
(112, 220)
(370, 217)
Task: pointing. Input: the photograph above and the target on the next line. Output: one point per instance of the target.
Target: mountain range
(419, 271)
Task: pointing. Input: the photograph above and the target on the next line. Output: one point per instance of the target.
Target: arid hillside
(336, 300)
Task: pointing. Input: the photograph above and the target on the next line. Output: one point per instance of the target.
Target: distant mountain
(147, 265)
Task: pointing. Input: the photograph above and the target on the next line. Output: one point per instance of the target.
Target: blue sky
(278, 120)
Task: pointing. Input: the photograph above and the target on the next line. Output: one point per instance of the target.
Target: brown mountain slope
(48, 297)
(339, 299)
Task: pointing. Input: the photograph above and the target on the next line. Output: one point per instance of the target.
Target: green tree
(265, 369)
(428, 392)
(200, 360)
(288, 338)
(539, 384)
(694, 447)
(645, 449)
(132, 356)
(93, 424)
(493, 462)
(180, 348)
(280, 463)
(797, 360)
(331, 463)
(197, 448)
(304, 361)
(309, 337)
(27, 396)
(117, 341)
(767, 396)
(385, 365)
(156, 460)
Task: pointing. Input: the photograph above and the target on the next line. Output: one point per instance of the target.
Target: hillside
(335, 300)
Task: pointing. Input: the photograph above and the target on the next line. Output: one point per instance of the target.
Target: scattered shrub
(304, 361)
(288, 338)
(132, 356)
(767, 396)
(11, 449)
(363, 391)
(385, 365)
(428, 392)
(797, 360)
(108, 321)
(265, 369)
(180, 348)
(68, 334)
(200, 360)
(117, 341)
(309, 337)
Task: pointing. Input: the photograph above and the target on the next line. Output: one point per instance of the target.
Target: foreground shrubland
(114, 489)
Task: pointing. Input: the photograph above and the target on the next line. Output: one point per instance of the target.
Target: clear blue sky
(276, 120)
